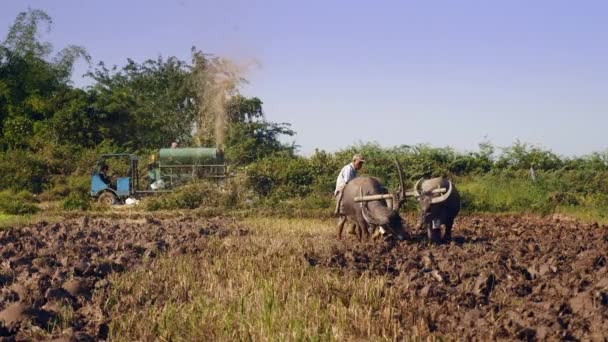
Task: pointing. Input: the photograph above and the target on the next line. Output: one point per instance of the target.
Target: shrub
(493, 193)
(64, 186)
(191, 196)
(21, 203)
(563, 198)
(281, 176)
(21, 171)
(76, 201)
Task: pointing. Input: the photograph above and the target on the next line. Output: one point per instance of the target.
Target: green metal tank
(189, 156)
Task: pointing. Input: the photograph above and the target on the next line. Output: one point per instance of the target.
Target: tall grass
(258, 287)
(550, 193)
(7, 221)
(504, 194)
(17, 203)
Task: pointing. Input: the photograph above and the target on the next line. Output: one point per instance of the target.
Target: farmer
(103, 174)
(347, 173)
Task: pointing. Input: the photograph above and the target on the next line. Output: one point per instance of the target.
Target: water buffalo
(437, 211)
(378, 213)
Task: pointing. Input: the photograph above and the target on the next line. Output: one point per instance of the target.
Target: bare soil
(49, 272)
(502, 277)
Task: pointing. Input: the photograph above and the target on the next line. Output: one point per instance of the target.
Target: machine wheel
(107, 198)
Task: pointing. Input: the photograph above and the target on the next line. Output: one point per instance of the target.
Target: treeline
(518, 178)
(300, 177)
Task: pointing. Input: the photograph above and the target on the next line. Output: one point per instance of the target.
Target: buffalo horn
(396, 202)
(400, 174)
(367, 216)
(416, 192)
(444, 196)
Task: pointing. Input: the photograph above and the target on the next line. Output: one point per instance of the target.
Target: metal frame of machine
(174, 167)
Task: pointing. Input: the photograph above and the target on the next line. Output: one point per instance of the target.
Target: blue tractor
(114, 189)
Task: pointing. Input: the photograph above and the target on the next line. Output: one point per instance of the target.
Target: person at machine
(105, 176)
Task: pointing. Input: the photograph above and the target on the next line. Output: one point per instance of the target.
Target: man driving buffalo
(348, 173)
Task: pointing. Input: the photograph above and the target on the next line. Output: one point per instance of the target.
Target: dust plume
(216, 80)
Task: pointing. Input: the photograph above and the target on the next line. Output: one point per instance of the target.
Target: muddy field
(49, 272)
(501, 278)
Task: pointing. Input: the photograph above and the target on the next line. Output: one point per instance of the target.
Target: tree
(250, 137)
(250, 141)
(144, 105)
(522, 156)
(30, 78)
(244, 110)
(76, 120)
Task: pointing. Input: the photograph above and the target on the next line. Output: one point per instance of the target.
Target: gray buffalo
(379, 209)
(437, 210)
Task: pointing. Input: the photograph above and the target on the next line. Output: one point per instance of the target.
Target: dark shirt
(104, 177)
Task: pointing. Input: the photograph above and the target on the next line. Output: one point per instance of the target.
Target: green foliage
(249, 136)
(20, 203)
(294, 182)
(46, 164)
(21, 171)
(17, 130)
(324, 168)
(281, 176)
(30, 79)
(521, 156)
(142, 105)
(76, 186)
(504, 194)
(251, 141)
(514, 191)
(22, 37)
(241, 109)
(191, 196)
(77, 119)
(56, 159)
(76, 201)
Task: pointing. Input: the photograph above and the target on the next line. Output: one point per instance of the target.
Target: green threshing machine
(168, 168)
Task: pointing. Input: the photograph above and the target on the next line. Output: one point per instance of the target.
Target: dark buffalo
(380, 213)
(437, 210)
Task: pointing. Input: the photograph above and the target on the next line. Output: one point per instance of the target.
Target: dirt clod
(47, 269)
(504, 277)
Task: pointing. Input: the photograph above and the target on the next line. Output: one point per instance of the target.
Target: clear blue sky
(395, 72)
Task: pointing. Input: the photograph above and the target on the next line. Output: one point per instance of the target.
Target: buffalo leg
(448, 230)
(341, 222)
(352, 229)
(362, 227)
(366, 233)
(434, 235)
(376, 233)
